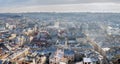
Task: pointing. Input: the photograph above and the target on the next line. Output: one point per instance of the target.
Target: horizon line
(91, 7)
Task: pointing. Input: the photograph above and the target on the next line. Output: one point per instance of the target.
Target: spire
(66, 41)
(57, 42)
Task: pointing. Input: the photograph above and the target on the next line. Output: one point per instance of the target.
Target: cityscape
(59, 31)
(59, 38)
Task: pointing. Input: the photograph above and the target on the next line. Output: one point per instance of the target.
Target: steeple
(66, 42)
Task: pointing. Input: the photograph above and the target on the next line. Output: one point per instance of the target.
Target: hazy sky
(59, 6)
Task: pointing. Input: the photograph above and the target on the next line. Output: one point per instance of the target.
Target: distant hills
(81, 17)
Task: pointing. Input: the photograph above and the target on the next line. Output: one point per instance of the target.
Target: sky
(16, 6)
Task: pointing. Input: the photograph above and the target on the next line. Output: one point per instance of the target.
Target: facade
(62, 56)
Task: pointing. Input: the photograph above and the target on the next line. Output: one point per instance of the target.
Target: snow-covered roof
(87, 60)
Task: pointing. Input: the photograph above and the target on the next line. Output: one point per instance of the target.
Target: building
(65, 56)
(87, 61)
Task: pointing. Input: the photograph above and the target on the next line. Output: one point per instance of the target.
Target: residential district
(26, 40)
